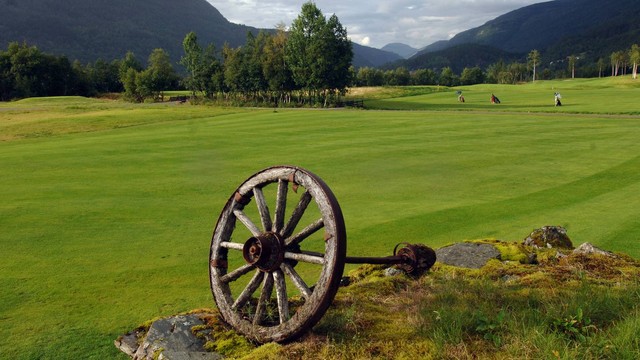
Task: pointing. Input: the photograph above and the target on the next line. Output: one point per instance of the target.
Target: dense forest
(309, 64)
(258, 73)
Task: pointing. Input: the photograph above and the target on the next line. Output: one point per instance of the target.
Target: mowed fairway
(107, 208)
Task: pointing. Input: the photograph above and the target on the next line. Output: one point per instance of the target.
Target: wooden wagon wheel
(273, 275)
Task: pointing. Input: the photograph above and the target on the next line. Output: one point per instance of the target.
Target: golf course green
(107, 208)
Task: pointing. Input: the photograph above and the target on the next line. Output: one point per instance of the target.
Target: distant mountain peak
(401, 49)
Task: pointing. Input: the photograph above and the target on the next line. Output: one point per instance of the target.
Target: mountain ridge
(540, 26)
(88, 30)
(590, 29)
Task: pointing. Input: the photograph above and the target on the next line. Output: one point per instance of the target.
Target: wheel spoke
(253, 285)
(235, 274)
(281, 205)
(231, 245)
(305, 233)
(240, 215)
(307, 258)
(281, 294)
(305, 199)
(265, 295)
(298, 245)
(297, 280)
(263, 209)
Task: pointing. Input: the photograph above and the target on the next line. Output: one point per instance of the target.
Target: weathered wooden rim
(321, 296)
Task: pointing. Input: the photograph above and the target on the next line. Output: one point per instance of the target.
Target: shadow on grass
(429, 225)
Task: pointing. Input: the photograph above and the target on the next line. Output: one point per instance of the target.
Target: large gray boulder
(467, 255)
(170, 338)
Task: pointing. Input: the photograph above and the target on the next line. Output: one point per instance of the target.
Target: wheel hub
(265, 251)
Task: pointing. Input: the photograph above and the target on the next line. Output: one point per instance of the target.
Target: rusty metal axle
(414, 259)
(274, 286)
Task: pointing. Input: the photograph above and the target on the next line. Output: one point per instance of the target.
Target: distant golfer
(557, 98)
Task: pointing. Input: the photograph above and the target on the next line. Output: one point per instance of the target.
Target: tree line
(620, 62)
(25, 71)
(308, 64)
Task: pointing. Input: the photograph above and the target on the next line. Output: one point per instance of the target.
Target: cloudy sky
(378, 22)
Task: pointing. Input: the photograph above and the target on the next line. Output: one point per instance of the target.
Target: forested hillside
(459, 57)
(541, 26)
(587, 29)
(88, 30)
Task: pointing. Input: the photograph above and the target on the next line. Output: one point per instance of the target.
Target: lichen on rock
(549, 237)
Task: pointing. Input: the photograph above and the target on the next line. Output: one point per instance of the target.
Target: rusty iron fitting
(416, 258)
(265, 251)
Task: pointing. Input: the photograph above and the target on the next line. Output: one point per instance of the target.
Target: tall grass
(494, 320)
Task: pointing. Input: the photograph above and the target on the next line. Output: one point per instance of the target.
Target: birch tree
(572, 65)
(534, 60)
(319, 53)
(634, 58)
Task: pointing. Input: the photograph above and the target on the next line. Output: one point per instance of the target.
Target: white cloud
(376, 22)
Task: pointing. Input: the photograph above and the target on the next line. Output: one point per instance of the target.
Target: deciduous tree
(534, 60)
(319, 53)
(129, 62)
(423, 77)
(448, 77)
(274, 66)
(617, 60)
(634, 58)
(192, 60)
(471, 76)
(572, 59)
(601, 64)
(159, 75)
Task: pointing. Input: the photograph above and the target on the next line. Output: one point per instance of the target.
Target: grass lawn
(107, 208)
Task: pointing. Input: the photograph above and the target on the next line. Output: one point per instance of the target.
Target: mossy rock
(512, 251)
(549, 237)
